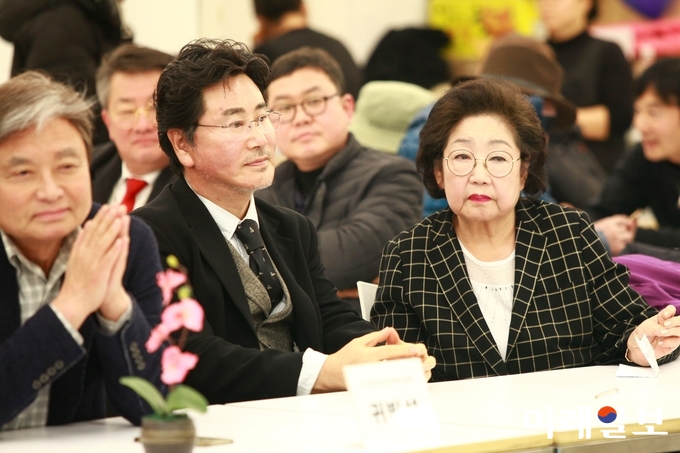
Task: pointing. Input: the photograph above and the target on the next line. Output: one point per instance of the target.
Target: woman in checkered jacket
(499, 284)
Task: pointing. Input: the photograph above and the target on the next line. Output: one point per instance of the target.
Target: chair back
(367, 293)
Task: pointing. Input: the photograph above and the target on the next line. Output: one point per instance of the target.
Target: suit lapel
(165, 177)
(454, 282)
(529, 251)
(212, 245)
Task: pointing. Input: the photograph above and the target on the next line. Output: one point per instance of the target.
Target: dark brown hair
(308, 57)
(200, 64)
(483, 97)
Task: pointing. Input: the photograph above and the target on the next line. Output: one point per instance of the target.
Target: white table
(480, 415)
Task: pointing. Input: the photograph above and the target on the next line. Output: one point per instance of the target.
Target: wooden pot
(175, 434)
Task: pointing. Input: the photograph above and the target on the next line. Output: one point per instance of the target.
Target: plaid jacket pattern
(572, 304)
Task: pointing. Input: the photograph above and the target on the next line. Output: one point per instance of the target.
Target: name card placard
(392, 403)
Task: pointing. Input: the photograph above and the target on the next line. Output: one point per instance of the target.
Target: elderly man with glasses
(131, 169)
(274, 325)
(357, 198)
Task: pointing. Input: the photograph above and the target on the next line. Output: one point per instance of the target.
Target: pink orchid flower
(167, 281)
(176, 364)
(187, 313)
(159, 334)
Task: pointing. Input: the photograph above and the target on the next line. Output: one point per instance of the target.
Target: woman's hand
(662, 331)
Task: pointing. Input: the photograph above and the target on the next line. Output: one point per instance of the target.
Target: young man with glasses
(274, 325)
(357, 198)
(131, 169)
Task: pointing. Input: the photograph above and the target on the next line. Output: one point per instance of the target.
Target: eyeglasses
(313, 106)
(240, 129)
(127, 118)
(498, 163)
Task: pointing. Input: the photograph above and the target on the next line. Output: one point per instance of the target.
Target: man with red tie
(131, 169)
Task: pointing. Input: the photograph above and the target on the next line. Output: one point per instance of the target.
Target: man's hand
(94, 256)
(365, 349)
(116, 300)
(662, 331)
(619, 230)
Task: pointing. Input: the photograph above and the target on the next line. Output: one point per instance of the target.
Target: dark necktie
(260, 261)
(133, 187)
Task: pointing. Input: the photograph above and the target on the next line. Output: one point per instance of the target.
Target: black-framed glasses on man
(240, 129)
(312, 106)
(498, 163)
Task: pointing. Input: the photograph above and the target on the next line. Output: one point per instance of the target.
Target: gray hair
(32, 99)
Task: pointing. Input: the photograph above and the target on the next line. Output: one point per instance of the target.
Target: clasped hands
(365, 349)
(94, 273)
(662, 331)
(619, 230)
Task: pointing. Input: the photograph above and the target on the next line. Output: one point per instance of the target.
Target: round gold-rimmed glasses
(499, 164)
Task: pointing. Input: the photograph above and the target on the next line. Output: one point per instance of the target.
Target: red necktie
(133, 188)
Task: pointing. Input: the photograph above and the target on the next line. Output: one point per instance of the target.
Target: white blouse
(493, 284)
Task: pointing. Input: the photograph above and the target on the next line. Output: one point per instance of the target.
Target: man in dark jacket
(274, 325)
(76, 302)
(131, 169)
(357, 198)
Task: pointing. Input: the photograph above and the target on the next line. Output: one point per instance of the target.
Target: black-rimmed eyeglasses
(240, 129)
(498, 163)
(312, 106)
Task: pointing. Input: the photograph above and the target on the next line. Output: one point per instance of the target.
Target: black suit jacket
(231, 366)
(572, 304)
(105, 171)
(42, 351)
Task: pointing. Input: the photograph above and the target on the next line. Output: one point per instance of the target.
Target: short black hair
(483, 97)
(275, 9)
(200, 64)
(309, 57)
(664, 78)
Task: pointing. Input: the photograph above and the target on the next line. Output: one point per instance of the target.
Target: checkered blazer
(572, 304)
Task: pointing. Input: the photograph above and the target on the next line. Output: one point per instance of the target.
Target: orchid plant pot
(173, 434)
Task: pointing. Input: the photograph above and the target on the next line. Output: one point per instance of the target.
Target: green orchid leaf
(184, 397)
(147, 391)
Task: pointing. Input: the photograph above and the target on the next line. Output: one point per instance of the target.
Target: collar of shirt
(227, 222)
(21, 263)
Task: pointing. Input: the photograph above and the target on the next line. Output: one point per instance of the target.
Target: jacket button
(36, 384)
(51, 371)
(44, 378)
(58, 365)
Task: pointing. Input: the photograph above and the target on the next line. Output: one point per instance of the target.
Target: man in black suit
(274, 325)
(130, 169)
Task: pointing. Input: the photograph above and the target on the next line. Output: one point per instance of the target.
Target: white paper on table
(633, 371)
